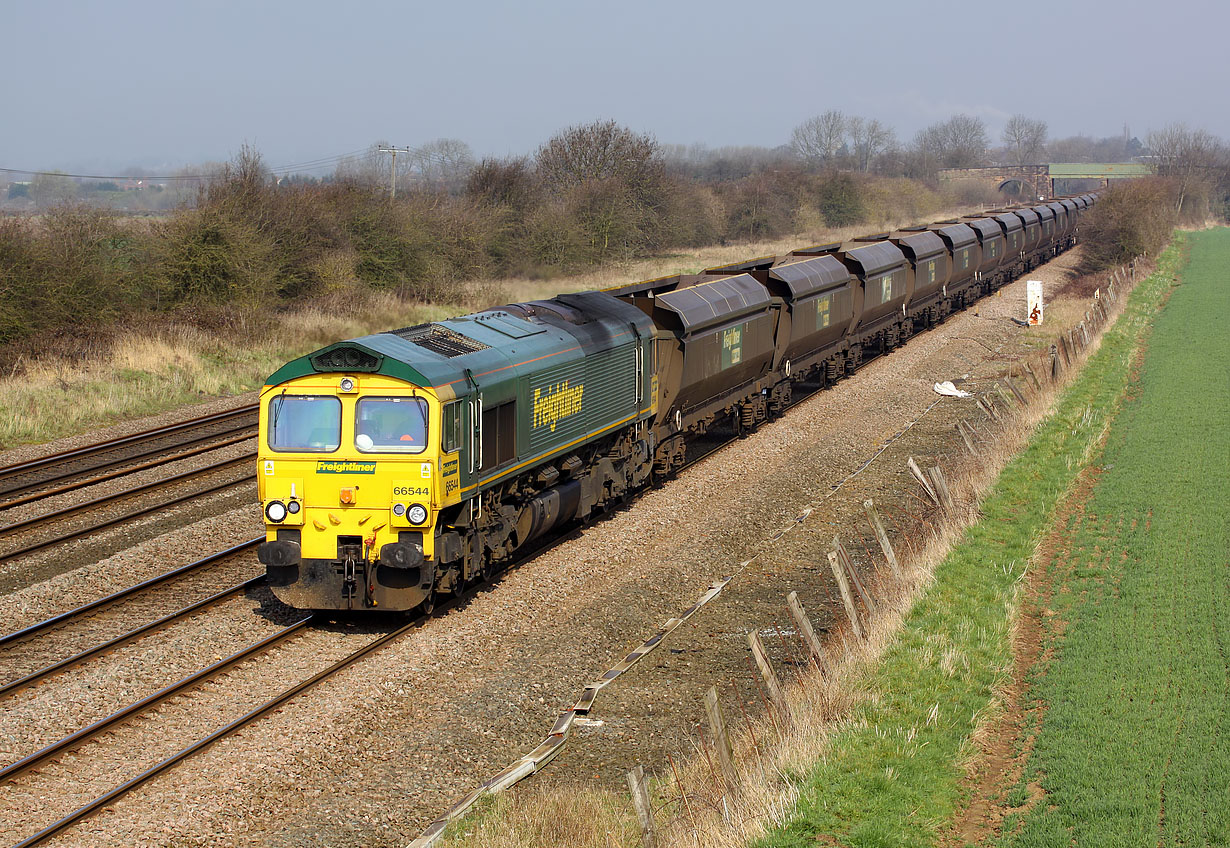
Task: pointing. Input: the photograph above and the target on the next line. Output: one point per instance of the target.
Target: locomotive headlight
(399, 510)
(293, 507)
(275, 512)
(416, 514)
(347, 384)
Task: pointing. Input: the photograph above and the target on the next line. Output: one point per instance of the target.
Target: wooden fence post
(1033, 378)
(941, 486)
(839, 574)
(918, 475)
(803, 623)
(770, 677)
(721, 739)
(640, 802)
(969, 443)
(869, 507)
(988, 407)
(848, 562)
(1017, 392)
(1007, 399)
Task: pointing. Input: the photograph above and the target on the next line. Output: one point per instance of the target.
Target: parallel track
(25, 478)
(31, 547)
(86, 611)
(139, 707)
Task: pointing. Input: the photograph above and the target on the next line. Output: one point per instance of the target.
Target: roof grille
(440, 339)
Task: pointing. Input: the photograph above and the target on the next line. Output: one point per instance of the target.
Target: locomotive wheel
(428, 606)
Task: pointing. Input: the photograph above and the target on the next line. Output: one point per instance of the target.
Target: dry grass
(594, 818)
(695, 809)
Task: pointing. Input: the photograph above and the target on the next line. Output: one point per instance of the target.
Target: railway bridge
(1048, 180)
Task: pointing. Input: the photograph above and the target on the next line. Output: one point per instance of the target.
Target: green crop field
(1134, 748)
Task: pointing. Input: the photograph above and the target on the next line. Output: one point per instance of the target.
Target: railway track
(34, 653)
(51, 475)
(108, 519)
(145, 706)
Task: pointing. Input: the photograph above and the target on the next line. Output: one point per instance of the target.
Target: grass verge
(892, 770)
(1134, 746)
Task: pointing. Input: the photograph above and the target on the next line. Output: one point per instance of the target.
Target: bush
(1131, 218)
(207, 257)
(593, 194)
(840, 201)
(18, 270)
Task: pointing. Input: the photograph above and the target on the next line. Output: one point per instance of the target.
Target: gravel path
(370, 756)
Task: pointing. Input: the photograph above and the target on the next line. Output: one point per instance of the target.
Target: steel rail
(113, 444)
(102, 478)
(136, 490)
(15, 768)
(206, 741)
(124, 638)
(111, 522)
(115, 597)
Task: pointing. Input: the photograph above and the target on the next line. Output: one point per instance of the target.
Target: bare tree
(443, 163)
(53, 188)
(818, 141)
(1191, 158)
(1026, 139)
(963, 140)
(502, 182)
(868, 139)
(599, 151)
(924, 153)
(613, 182)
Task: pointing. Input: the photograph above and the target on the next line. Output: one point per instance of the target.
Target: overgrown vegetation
(1136, 684)
(590, 196)
(64, 383)
(1136, 217)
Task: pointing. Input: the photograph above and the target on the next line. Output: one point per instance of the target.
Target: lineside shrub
(1131, 218)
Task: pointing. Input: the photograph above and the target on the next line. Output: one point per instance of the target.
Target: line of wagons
(403, 465)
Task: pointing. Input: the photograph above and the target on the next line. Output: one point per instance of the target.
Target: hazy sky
(98, 86)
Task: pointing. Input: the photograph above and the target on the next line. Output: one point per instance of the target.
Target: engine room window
(391, 425)
(309, 423)
(450, 434)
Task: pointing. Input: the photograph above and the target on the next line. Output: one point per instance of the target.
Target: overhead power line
(311, 164)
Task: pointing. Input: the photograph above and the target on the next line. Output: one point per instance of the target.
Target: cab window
(450, 434)
(390, 425)
(309, 423)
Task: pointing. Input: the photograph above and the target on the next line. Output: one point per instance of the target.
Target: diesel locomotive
(402, 466)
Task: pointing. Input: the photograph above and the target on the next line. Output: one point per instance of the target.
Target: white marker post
(1033, 298)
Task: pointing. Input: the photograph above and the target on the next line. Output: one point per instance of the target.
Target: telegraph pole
(393, 168)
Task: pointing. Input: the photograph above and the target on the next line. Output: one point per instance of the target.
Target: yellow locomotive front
(350, 486)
